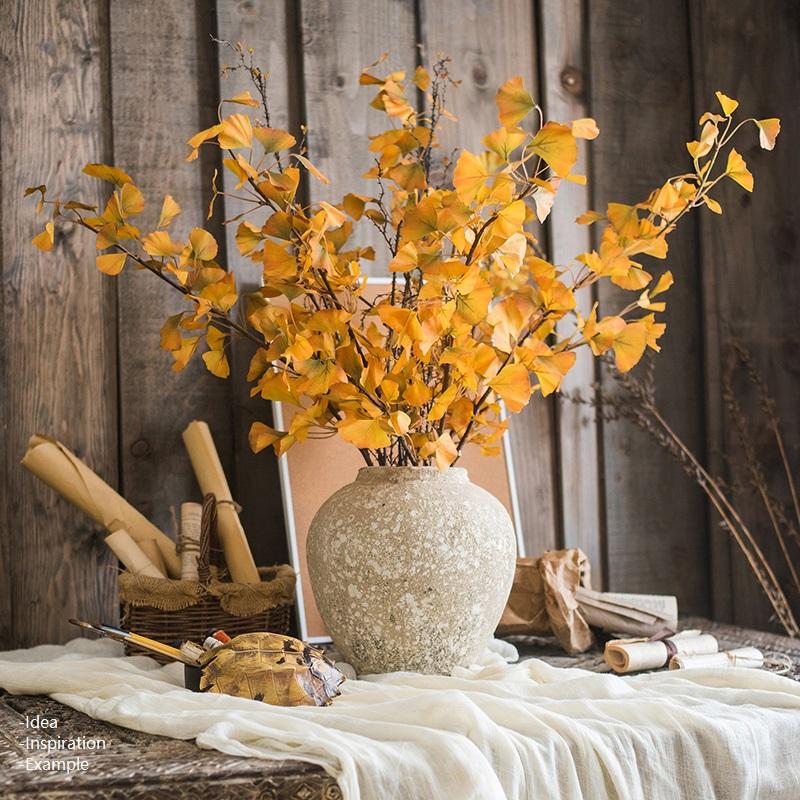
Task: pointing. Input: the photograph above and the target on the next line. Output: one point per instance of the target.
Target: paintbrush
(133, 639)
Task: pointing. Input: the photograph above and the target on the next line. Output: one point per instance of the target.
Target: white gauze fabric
(525, 730)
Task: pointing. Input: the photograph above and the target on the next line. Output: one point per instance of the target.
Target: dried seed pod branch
(634, 400)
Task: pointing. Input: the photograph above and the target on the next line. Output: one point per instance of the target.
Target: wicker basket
(198, 620)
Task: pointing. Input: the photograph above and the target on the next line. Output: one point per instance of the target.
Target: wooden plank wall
(94, 80)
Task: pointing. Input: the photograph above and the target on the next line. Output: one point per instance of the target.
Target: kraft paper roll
(211, 477)
(191, 518)
(131, 555)
(630, 655)
(748, 657)
(150, 548)
(60, 468)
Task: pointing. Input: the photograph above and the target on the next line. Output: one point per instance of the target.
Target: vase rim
(458, 474)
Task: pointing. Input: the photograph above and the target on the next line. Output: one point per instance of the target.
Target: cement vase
(411, 568)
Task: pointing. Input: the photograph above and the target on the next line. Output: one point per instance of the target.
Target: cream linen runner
(527, 730)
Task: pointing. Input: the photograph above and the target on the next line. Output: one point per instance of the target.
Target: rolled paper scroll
(631, 655)
(150, 548)
(191, 515)
(60, 468)
(748, 657)
(211, 477)
(131, 555)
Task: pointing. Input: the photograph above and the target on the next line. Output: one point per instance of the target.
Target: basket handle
(208, 531)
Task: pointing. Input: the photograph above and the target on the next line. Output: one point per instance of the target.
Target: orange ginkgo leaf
(556, 145)
(44, 240)
(736, 170)
(111, 263)
(262, 436)
(513, 384)
(200, 138)
(768, 130)
(514, 103)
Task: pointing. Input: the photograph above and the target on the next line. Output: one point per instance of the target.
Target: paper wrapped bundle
(60, 468)
(543, 599)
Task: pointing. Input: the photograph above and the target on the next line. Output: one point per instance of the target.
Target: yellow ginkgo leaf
(514, 103)
(768, 130)
(662, 284)
(629, 345)
(200, 138)
(159, 244)
(363, 432)
(712, 204)
(729, 105)
(737, 170)
(400, 422)
(236, 131)
(470, 176)
(217, 363)
(273, 140)
(169, 210)
(244, 99)
(170, 335)
(182, 354)
(203, 245)
(262, 436)
(585, 128)
(311, 168)
(111, 263)
(44, 240)
(106, 173)
(556, 145)
(513, 384)
(129, 200)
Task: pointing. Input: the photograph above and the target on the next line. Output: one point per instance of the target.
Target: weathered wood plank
(338, 40)
(267, 28)
(165, 87)
(563, 93)
(489, 43)
(59, 319)
(750, 260)
(655, 515)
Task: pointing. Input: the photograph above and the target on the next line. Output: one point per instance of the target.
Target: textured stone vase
(411, 568)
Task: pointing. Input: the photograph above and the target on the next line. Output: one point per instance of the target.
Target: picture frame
(306, 484)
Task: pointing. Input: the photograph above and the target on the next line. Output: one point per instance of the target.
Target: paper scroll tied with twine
(211, 477)
(631, 655)
(60, 468)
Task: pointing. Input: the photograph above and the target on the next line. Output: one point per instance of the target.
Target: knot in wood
(480, 75)
(572, 80)
(140, 448)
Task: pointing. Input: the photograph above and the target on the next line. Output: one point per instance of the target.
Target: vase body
(411, 568)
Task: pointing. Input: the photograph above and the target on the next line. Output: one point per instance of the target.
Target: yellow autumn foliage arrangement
(475, 316)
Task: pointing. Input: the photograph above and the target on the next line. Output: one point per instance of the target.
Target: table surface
(139, 766)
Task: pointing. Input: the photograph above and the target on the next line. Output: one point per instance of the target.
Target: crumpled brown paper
(542, 600)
